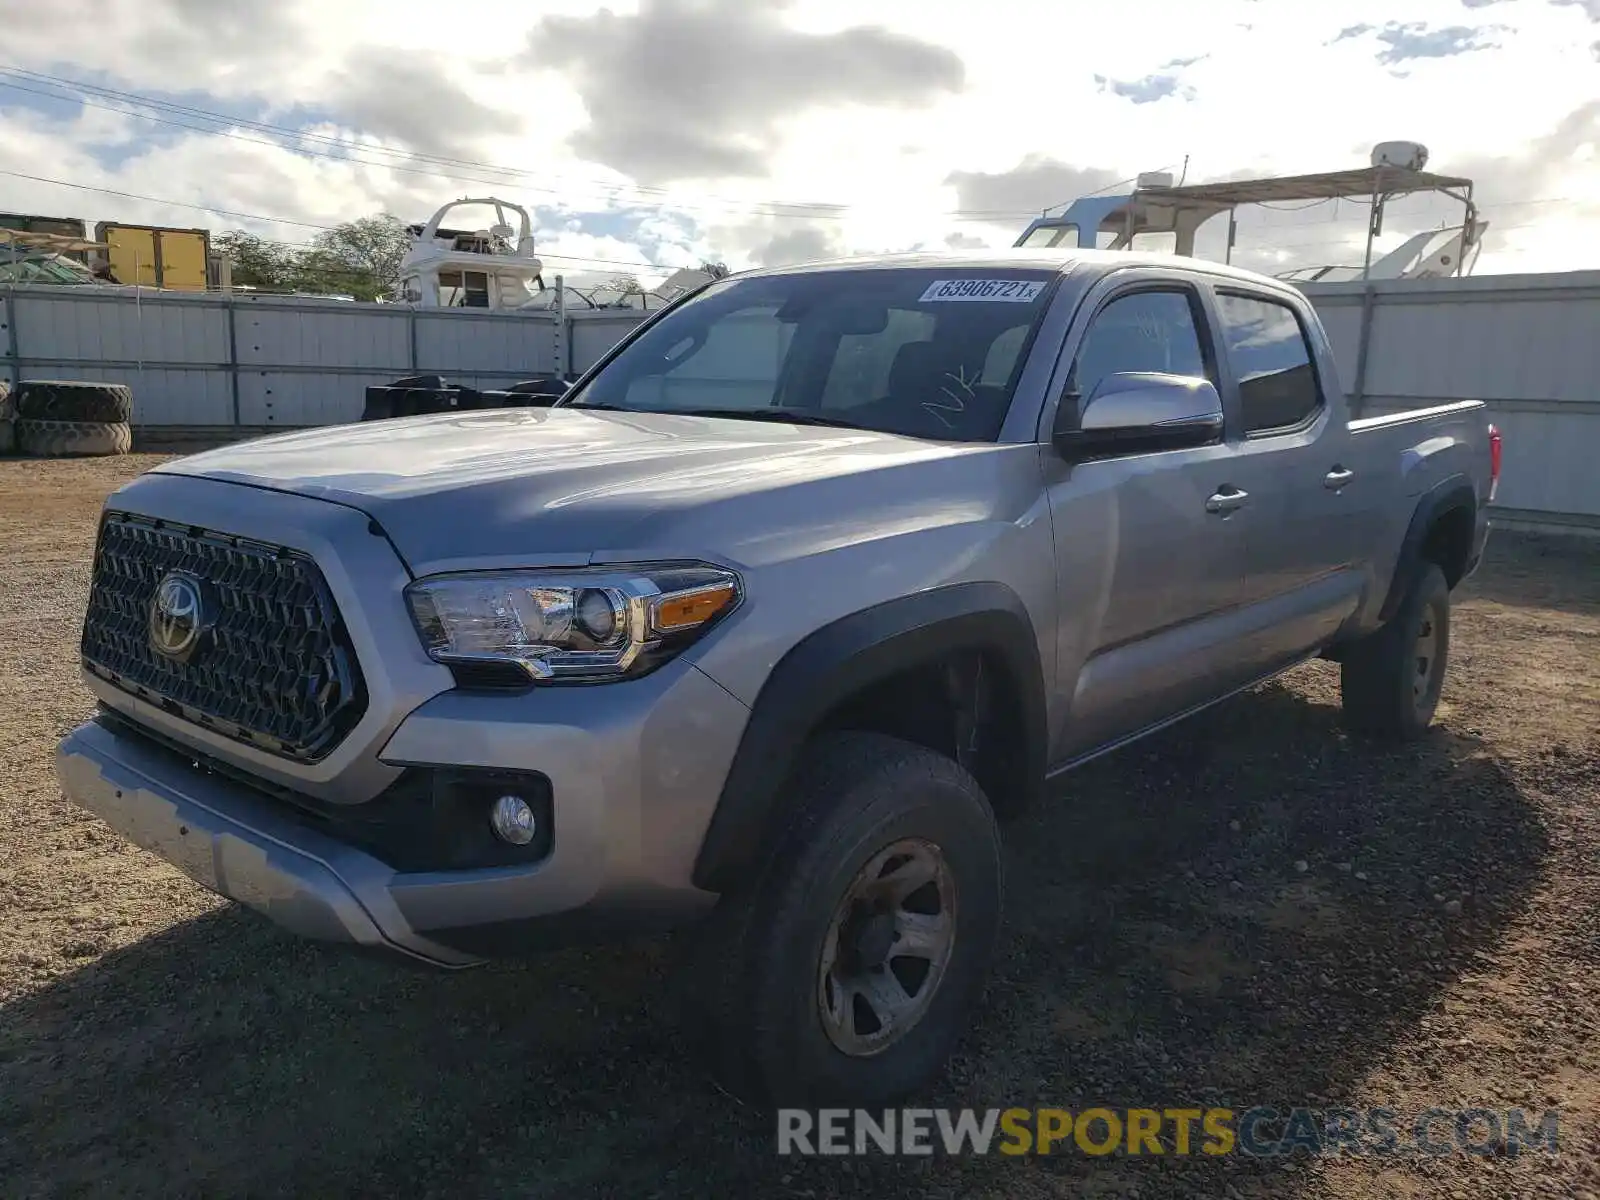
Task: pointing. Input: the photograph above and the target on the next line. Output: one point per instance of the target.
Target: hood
(560, 486)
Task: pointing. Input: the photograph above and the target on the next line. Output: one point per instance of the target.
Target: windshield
(929, 353)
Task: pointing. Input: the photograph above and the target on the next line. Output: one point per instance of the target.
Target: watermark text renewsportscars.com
(1259, 1132)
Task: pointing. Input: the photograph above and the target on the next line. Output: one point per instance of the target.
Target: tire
(57, 400)
(8, 437)
(1391, 679)
(767, 1011)
(59, 439)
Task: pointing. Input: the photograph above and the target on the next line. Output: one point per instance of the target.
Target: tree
(627, 285)
(361, 258)
(717, 270)
(258, 262)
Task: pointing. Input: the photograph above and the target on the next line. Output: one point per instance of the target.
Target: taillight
(1494, 461)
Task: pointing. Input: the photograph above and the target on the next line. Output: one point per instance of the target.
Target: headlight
(584, 625)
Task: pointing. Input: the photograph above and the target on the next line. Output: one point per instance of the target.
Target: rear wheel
(846, 971)
(1391, 678)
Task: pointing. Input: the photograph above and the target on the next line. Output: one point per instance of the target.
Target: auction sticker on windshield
(1017, 291)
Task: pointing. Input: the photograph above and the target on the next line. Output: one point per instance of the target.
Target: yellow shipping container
(154, 256)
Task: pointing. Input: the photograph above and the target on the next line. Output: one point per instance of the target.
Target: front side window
(1141, 331)
(929, 352)
(1278, 386)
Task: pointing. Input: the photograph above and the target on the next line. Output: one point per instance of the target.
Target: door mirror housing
(1138, 412)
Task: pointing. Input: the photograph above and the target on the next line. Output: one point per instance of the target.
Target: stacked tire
(58, 418)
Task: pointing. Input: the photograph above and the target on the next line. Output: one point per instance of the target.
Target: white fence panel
(308, 397)
(500, 349)
(331, 335)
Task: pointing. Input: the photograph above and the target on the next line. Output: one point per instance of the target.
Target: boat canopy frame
(1182, 210)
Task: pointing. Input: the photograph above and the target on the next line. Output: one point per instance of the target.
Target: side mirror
(1137, 412)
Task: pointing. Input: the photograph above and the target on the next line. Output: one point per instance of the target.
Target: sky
(652, 134)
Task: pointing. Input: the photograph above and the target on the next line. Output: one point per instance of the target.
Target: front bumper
(635, 773)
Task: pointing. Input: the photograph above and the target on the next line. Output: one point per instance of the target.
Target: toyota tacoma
(763, 626)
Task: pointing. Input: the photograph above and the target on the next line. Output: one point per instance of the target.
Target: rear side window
(1142, 331)
(1271, 359)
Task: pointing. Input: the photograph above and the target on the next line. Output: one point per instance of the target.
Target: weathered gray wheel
(847, 967)
(60, 439)
(1391, 679)
(887, 948)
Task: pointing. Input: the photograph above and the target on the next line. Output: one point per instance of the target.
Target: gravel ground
(1250, 909)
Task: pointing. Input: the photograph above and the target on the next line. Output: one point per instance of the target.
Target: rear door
(1145, 573)
(1301, 526)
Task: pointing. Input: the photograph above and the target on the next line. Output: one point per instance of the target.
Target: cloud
(1416, 40)
(405, 97)
(805, 244)
(1591, 8)
(1480, 3)
(221, 43)
(1147, 89)
(965, 241)
(695, 89)
(1037, 183)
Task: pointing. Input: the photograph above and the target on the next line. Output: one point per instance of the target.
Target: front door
(1149, 556)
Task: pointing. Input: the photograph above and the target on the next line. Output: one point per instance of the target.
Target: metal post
(1233, 233)
(411, 337)
(1358, 394)
(13, 354)
(233, 359)
(1374, 226)
(563, 363)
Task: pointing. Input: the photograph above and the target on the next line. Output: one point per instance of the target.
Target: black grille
(274, 667)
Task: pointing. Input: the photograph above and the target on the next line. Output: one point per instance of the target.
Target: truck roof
(1066, 259)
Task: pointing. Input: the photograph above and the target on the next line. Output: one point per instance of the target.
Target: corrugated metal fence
(206, 361)
(1528, 345)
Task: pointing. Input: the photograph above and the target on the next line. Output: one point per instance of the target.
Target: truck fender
(1451, 493)
(837, 661)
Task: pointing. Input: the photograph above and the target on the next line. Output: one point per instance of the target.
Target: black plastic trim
(838, 661)
(1449, 494)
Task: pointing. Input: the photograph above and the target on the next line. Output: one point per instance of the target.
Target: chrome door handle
(1226, 501)
(1337, 478)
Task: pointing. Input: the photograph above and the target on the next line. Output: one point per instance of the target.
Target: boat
(491, 268)
(1158, 206)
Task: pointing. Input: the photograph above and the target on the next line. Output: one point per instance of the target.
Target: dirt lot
(1441, 946)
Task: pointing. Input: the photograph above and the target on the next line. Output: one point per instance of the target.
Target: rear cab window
(1279, 391)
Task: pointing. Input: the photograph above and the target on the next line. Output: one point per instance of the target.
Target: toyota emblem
(177, 616)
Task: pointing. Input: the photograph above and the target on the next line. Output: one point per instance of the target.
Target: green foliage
(360, 258)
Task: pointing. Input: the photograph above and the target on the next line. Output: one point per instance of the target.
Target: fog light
(512, 820)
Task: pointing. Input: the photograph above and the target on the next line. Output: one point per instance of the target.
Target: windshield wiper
(796, 416)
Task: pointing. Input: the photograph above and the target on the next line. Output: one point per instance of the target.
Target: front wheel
(847, 970)
(1391, 679)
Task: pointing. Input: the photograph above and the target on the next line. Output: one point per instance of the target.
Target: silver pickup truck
(761, 627)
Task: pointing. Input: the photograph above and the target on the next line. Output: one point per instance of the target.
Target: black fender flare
(1450, 493)
(837, 661)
